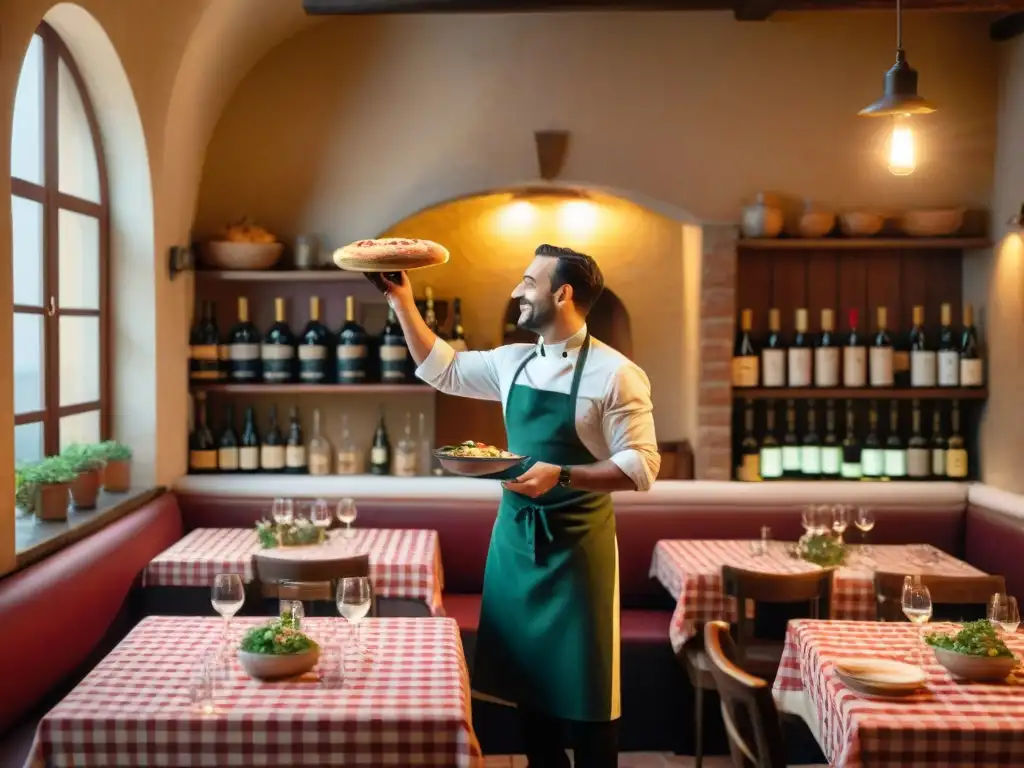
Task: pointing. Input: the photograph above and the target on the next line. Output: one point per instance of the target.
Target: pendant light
(900, 101)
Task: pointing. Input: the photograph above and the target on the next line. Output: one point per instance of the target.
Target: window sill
(35, 539)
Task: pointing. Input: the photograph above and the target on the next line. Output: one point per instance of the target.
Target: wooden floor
(626, 760)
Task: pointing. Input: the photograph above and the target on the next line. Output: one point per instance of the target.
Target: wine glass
(823, 520)
(354, 598)
(283, 511)
(321, 514)
(1002, 610)
(864, 521)
(807, 519)
(346, 512)
(917, 607)
(840, 520)
(227, 596)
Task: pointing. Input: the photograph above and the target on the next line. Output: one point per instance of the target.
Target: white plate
(882, 673)
(469, 466)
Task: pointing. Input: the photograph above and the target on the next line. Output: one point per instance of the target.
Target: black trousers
(595, 745)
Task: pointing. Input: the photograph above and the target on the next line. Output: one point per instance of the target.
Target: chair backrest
(954, 598)
(748, 709)
(811, 593)
(314, 579)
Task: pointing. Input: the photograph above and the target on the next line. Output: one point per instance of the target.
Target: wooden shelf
(865, 243)
(860, 393)
(312, 389)
(281, 275)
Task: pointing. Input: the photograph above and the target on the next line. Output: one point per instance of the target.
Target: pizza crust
(390, 254)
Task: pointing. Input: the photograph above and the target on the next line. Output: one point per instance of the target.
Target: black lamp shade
(900, 96)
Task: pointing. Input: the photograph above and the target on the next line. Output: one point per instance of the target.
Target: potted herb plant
(117, 474)
(88, 462)
(42, 488)
(278, 649)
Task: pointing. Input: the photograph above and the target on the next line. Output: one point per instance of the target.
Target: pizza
(388, 254)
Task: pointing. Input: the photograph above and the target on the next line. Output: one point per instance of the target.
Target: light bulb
(902, 155)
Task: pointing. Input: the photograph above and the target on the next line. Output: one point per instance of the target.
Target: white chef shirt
(614, 414)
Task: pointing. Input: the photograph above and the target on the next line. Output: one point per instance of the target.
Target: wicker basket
(223, 254)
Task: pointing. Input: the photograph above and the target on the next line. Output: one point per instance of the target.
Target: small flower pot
(117, 476)
(52, 502)
(85, 488)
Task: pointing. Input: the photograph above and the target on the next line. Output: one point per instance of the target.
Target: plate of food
(388, 256)
(973, 652)
(476, 459)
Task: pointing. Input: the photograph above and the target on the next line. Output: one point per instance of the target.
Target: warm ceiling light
(577, 217)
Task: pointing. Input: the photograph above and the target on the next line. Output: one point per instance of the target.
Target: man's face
(536, 301)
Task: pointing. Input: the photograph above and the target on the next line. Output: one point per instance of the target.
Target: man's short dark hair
(577, 270)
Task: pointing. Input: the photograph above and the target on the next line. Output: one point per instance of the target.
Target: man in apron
(548, 641)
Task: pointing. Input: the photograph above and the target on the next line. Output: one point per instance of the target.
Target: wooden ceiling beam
(1007, 28)
(754, 10)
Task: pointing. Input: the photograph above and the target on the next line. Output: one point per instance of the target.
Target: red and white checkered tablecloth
(691, 570)
(403, 563)
(408, 706)
(953, 723)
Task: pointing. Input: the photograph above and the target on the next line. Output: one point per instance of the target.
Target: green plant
(277, 637)
(302, 532)
(111, 450)
(267, 533)
(822, 549)
(84, 458)
(975, 638)
(28, 478)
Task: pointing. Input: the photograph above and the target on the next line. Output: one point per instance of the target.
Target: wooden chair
(758, 656)
(310, 580)
(950, 595)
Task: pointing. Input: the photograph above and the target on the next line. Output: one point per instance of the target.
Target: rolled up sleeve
(629, 426)
(466, 374)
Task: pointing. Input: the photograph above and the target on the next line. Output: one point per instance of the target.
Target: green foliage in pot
(111, 450)
(84, 458)
(52, 470)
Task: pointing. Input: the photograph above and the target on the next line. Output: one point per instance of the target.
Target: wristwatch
(564, 476)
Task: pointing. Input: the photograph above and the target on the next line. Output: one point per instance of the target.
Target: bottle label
(750, 468)
(872, 462)
(949, 368)
(771, 463)
(956, 462)
(922, 368)
(850, 471)
(272, 457)
(405, 463)
(831, 460)
(393, 361)
(939, 462)
(900, 364)
(745, 372)
(351, 363)
(378, 455)
(244, 362)
(895, 463)
(970, 372)
(880, 364)
(248, 458)
(348, 463)
(799, 367)
(791, 459)
(826, 367)
(203, 461)
(917, 462)
(295, 456)
(855, 369)
(773, 362)
(810, 460)
(277, 362)
(227, 459)
(205, 362)
(312, 363)
(319, 463)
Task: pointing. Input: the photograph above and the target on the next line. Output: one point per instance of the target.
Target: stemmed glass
(321, 514)
(865, 521)
(283, 511)
(807, 518)
(840, 520)
(354, 597)
(1002, 610)
(346, 512)
(917, 607)
(227, 596)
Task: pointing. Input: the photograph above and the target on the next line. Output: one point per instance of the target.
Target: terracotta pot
(117, 476)
(85, 488)
(52, 502)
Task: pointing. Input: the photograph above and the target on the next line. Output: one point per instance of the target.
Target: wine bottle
(458, 339)
(880, 356)
(314, 348)
(394, 353)
(319, 450)
(872, 459)
(272, 450)
(750, 452)
(295, 449)
(380, 453)
(249, 450)
(939, 445)
(851, 467)
(773, 355)
(429, 315)
(204, 346)
(350, 458)
(771, 451)
(831, 450)
(745, 371)
(918, 460)
(425, 461)
(202, 450)
(901, 360)
(278, 351)
(244, 364)
(826, 353)
(895, 467)
(227, 445)
(810, 450)
(791, 466)
(949, 353)
(922, 359)
(353, 348)
(855, 356)
(405, 452)
(956, 452)
(971, 374)
(798, 356)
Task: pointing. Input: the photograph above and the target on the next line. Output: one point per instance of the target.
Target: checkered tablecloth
(403, 563)
(408, 706)
(953, 723)
(691, 570)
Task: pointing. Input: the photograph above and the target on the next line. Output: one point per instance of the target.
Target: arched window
(59, 207)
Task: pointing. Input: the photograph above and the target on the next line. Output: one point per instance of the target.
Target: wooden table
(952, 723)
(409, 707)
(691, 570)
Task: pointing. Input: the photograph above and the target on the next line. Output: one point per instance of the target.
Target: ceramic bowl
(473, 467)
(223, 254)
(861, 223)
(274, 666)
(816, 223)
(990, 669)
(932, 223)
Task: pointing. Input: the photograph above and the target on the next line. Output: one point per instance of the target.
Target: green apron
(549, 620)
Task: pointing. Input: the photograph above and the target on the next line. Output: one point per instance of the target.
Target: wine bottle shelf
(866, 243)
(280, 275)
(311, 389)
(860, 393)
